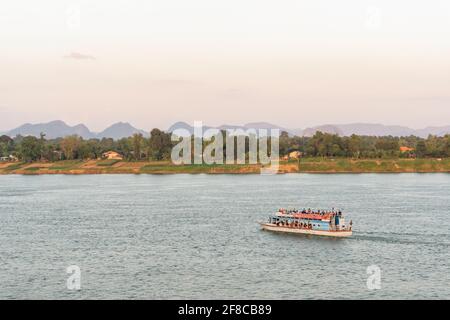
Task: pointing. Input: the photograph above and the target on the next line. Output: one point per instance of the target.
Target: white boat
(319, 223)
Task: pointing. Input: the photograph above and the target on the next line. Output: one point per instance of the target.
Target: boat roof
(309, 216)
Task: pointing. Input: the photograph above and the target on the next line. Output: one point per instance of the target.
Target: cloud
(79, 56)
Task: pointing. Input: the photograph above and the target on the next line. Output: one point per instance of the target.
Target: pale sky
(293, 63)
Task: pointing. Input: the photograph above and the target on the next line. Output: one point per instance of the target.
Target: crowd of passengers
(333, 212)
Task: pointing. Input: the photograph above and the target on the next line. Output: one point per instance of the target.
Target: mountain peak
(120, 130)
(58, 122)
(327, 128)
(120, 124)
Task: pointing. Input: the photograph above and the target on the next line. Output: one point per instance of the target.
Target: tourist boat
(319, 223)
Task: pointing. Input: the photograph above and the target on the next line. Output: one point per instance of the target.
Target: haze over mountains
(58, 128)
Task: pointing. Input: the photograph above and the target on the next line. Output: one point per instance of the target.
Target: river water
(197, 237)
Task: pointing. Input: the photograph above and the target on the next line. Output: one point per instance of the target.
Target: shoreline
(306, 165)
(217, 173)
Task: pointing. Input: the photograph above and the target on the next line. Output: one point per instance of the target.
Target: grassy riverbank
(320, 165)
(307, 165)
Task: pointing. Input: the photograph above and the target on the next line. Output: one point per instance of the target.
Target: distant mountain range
(363, 129)
(58, 128)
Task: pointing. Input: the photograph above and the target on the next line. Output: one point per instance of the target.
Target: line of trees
(331, 145)
(159, 145)
(136, 147)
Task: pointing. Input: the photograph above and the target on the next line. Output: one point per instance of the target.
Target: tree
(160, 144)
(354, 145)
(421, 149)
(6, 139)
(95, 148)
(284, 143)
(336, 150)
(137, 144)
(85, 150)
(432, 146)
(447, 145)
(69, 146)
(125, 147)
(107, 144)
(3, 149)
(30, 149)
(5, 145)
(387, 146)
(49, 151)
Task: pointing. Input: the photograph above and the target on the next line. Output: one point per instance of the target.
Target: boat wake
(403, 238)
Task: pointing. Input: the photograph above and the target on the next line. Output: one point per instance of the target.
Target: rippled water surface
(196, 236)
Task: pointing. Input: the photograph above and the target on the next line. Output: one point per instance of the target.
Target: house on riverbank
(9, 158)
(295, 155)
(406, 149)
(292, 155)
(410, 152)
(112, 155)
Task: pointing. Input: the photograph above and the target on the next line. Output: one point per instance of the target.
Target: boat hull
(336, 234)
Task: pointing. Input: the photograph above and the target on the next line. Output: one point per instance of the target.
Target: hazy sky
(294, 63)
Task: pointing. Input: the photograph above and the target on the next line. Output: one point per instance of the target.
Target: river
(197, 237)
